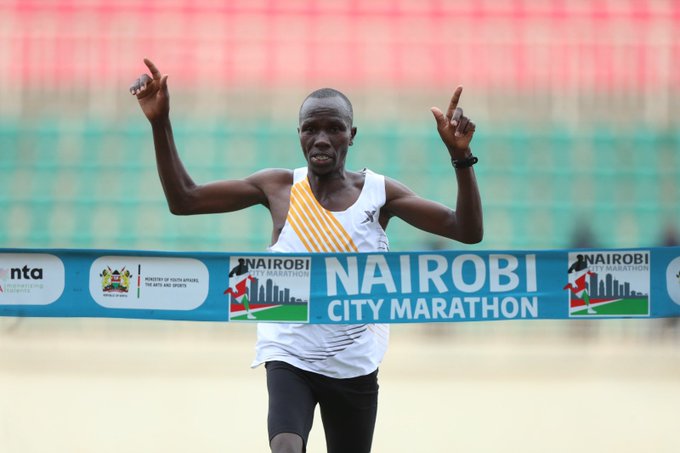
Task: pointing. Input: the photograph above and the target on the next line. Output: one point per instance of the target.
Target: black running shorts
(348, 406)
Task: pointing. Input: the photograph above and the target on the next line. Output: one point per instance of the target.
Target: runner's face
(325, 133)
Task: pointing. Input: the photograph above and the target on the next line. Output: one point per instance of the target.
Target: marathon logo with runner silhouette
(604, 283)
(269, 289)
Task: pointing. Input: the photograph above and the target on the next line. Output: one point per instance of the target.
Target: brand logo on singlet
(369, 216)
(267, 288)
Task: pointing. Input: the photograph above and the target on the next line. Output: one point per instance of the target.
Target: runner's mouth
(320, 158)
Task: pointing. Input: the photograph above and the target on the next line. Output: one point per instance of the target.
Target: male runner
(321, 207)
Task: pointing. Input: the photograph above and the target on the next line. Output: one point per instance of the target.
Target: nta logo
(21, 273)
(30, 278)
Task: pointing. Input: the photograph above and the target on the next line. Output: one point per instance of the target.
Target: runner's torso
(340, 351)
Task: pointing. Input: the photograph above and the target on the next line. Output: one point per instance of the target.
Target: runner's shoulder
(271, 178)
(395, 189)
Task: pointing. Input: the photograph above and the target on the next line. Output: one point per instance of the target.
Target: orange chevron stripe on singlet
(317, 228)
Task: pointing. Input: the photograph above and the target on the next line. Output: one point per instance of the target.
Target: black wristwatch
(464, 163)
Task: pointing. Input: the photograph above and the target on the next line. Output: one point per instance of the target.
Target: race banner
(341, 288)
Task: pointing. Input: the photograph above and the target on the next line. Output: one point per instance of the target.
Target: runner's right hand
(152, 93)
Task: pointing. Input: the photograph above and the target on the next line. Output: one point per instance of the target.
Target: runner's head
(325, 130)
(329, 93)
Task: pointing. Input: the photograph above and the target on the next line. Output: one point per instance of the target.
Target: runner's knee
(286, 443)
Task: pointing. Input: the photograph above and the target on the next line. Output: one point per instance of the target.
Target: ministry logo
(115, 281)
(608, 283)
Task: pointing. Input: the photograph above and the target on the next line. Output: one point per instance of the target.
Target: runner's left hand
(455, 129)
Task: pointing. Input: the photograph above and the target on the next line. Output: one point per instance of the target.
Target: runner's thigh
(348, 410)
(291, 401)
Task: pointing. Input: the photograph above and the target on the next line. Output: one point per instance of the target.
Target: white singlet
(338, 351)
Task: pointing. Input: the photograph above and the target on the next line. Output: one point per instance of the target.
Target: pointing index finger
(154, 70)
(454, 102)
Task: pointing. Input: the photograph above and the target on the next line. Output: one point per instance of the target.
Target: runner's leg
(348, 410)
(291, 408)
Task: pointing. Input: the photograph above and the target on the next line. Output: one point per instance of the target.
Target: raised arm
(184, 196)
(465, 224)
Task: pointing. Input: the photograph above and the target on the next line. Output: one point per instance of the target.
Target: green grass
(293, 313)
(634, 306)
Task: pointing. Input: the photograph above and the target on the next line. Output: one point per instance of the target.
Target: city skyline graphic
(269, 292)
(609, 287)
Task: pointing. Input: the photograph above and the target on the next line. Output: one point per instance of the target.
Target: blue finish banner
(333, 288)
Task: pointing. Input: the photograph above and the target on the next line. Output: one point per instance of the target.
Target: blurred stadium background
(577, 107)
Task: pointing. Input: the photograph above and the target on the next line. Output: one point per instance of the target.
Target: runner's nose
(321, 141)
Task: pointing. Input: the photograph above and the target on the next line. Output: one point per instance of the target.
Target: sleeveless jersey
(338, 351)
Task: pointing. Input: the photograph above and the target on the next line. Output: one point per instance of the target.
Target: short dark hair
(323, 93)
